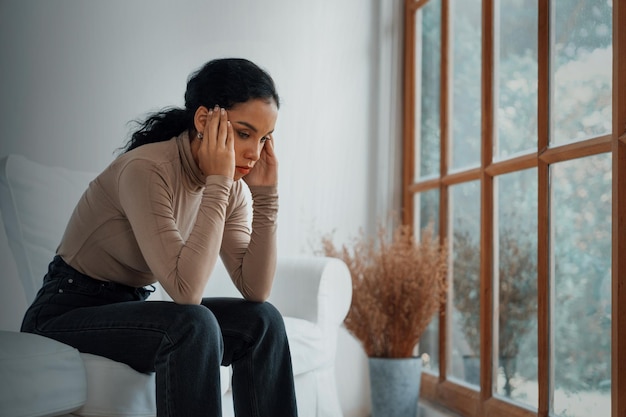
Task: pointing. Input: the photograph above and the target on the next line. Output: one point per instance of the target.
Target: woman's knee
(269, 315)
(194, 322)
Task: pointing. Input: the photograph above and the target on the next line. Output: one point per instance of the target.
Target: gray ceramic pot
(395, 386)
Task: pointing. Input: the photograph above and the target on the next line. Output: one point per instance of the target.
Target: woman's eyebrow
(248, 125)
(251, 127)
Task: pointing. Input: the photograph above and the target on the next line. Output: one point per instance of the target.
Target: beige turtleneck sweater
(151, 216)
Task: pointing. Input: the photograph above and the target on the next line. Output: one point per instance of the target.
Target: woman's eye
(264, 139)
(243, 135)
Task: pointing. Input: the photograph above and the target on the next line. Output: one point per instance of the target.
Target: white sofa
(42, 377)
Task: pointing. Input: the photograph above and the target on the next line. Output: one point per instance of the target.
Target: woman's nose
(253, 152)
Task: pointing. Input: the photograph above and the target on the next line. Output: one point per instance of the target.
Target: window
(515, 147)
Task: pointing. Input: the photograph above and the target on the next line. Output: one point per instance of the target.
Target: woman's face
(253, 123)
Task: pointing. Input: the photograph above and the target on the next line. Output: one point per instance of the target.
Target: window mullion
(408, 127)
(444, 115)
(543, 211)
(487, 208)
(618, 270)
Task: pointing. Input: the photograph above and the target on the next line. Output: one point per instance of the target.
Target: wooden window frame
(437, 388)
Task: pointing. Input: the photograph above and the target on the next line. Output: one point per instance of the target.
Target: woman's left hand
(265, 171)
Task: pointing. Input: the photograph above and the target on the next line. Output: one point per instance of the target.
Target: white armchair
(41, 377)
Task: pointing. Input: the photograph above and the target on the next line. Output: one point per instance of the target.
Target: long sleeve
(250, 255)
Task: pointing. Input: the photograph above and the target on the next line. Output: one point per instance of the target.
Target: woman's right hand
(216, 154)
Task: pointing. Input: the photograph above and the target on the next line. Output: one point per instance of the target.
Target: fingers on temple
(222, 133)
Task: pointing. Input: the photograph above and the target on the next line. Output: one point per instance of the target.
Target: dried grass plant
(398, 284)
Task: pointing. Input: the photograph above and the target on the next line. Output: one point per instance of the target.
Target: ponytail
(159, 127)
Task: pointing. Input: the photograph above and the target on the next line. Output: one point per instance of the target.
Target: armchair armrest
(313, 288)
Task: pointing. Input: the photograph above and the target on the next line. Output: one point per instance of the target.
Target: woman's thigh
(134, 332)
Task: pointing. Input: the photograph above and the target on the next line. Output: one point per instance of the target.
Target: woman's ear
(200, 118)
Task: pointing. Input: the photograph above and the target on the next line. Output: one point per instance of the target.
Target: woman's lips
(243, 170)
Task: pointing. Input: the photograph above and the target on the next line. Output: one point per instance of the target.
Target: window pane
(516, 277)
(427, 144)
(466, 60)
(427, 212)
(581, 62)
(581, 221)
(429, 347)
(516, 92)
(426, 206)
(465, 326)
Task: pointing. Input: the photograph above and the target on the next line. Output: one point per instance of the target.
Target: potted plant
(398, 284)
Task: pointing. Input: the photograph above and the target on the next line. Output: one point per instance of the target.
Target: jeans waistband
(59, 265)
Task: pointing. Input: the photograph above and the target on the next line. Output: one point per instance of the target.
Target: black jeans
(184, 344)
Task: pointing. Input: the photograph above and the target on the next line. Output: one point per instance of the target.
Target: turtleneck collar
(191, 169)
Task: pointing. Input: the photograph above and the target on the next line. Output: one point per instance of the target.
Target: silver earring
(200, 135)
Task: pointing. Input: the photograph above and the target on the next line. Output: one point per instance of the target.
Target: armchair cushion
(305, 339)
(40, 376)
(114, 389)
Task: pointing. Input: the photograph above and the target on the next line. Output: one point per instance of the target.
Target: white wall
(74, 73)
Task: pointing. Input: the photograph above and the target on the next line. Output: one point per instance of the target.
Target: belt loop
(143, 292)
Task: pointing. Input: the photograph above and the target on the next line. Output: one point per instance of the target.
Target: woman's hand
(216, 154)
(265, 171)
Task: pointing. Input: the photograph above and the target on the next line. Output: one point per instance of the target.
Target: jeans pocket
(79, 285)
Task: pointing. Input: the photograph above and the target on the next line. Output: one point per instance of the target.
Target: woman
(162, 212)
